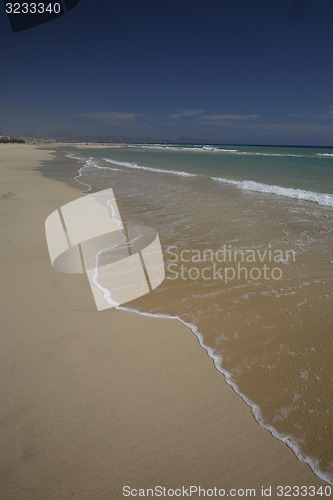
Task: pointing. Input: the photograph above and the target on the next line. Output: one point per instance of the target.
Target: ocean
(247, 239)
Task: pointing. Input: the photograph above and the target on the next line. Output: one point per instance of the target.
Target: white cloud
(292, 129)
(185, 113)
(227, 118)
(322, 115)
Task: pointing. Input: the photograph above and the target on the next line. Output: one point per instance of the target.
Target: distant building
(5, 139)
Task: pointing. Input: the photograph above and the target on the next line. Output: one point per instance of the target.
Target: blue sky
(226, 71)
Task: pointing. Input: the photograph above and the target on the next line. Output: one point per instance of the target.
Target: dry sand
(92, 401)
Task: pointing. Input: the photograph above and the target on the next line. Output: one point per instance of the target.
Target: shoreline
(287, 439)
(244, 448)
(254, 408)
(217, 361)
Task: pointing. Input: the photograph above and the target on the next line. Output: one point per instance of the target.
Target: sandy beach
(92, 402)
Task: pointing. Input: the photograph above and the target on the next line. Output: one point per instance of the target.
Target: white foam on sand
(256, 412)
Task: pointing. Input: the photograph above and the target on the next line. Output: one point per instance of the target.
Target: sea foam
(255, 409)
(217, 359)
(214, 149)
(150, 169)
(324, 199)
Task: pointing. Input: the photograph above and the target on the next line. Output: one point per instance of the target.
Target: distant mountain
(66, 136)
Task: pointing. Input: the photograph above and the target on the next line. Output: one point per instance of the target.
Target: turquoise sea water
(308, 169)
